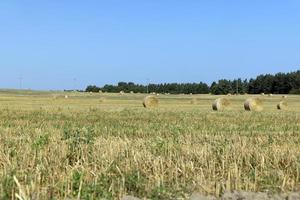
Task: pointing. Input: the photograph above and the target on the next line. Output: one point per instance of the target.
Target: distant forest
(280, 83)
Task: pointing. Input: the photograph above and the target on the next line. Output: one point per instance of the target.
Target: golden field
(93, 146)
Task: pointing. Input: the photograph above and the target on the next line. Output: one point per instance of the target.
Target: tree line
(280, 83)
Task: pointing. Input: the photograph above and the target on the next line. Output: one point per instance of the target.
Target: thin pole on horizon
(148, 82)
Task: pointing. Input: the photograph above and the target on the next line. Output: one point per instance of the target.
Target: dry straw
(150, 102)
(253, 104)
(282, 105)
(220, 104)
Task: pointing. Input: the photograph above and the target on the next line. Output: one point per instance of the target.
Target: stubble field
(93, 146)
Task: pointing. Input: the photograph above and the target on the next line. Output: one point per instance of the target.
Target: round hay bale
(131, 92)
(102, 100)
(100, 91)
(262, 94)
(270, 95)
(150, 102)
(253, 104)
(194, 101)
(220, 104)
(282, 105)
(121, 92)
(229, 94)
(66, 96)
(284, 97)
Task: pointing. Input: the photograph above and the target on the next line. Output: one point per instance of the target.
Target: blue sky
(52, 42)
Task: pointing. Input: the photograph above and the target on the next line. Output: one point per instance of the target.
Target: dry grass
(66, 150)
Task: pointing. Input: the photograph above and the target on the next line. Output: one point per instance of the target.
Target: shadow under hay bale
(220, 104)
(253, 104)
(150, 102)
(282, 105)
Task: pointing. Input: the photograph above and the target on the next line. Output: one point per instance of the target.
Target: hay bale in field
(284, 97)
(102, 100)
(100, 91)
(150, 102)
(66, 96)
(194, 101)
(262, 94)
(253, 104)
(282, 105)
(229, 94)
(270, 95)
(131, 92)
(220, 104)
(121, 92)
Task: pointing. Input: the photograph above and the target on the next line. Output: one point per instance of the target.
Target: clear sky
(49, 43)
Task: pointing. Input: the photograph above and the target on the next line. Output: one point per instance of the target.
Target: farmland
(92, 146)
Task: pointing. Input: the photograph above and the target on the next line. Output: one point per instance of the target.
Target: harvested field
(78, 147)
